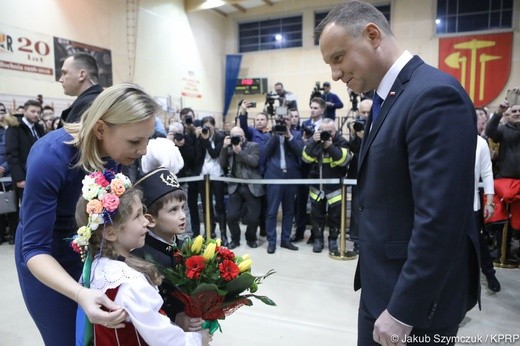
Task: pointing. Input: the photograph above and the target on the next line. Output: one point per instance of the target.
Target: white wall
(169, 45)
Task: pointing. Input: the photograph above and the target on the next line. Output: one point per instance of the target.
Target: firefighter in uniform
(327, 153)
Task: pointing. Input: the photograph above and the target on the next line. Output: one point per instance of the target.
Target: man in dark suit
(418, 264)
(241, 159)
(19, 140)
(283, 161)
(79, 77)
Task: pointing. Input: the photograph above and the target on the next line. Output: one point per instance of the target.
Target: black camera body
(280, 126)
(308, 130)
(359, 124)
(325, 136)
(235, 140)
(178, 136)
(188, 120)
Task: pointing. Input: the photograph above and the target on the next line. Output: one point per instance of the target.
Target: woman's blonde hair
(118, 105)
(98, 245)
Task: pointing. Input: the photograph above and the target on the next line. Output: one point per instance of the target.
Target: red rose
(194, 266)
(225, 253)
(228, 270)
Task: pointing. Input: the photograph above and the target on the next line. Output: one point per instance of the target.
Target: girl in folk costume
(112, 223)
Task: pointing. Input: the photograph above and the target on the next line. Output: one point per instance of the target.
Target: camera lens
(178, 137)
(188, 120)
(325, 135)
(235, 140)
(205, 130)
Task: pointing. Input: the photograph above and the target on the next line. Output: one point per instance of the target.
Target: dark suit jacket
(249, 158)
(80, 105)
(18, 143)
(418, 239)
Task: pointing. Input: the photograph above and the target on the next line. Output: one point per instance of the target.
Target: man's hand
(227, 141)
(237, 149)
(389, 332)
(20, 184)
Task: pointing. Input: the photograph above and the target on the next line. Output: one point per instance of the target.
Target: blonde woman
(113, 131)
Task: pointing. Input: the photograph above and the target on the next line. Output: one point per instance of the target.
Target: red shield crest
(481, 63)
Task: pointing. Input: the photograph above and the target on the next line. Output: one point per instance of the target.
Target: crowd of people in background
(206, 149)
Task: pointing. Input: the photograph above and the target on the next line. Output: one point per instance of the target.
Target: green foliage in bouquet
(211, 280)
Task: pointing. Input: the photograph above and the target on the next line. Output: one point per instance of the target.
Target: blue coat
(418, 238)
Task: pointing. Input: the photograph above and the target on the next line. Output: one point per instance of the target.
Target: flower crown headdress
(102, 191)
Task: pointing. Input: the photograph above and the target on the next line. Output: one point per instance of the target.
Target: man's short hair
(32, 103)
(319, 101)
(88, 63)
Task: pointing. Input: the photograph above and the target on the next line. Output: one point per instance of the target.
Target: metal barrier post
(343, 254)
(504, 262)
(207, 206)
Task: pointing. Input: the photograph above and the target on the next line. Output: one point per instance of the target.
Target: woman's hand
(92, 300)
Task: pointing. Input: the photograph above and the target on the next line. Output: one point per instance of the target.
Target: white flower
(90, 191)
(88, 180)
(101, 194)
(95, 221)
(126, 181)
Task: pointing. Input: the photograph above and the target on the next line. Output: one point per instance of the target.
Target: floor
(315, 304)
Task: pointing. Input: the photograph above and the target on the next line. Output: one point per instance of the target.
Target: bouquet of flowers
(210, 280)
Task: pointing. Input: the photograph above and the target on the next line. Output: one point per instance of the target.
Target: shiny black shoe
(289, 246)
(252, 244)
(296, 238)
(271, 248)
(493, 283)
(232, 245)
(310, 240)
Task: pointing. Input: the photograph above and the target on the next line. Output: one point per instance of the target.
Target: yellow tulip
(219, 241)
(209, 252)
(246, 256)
(197, 244)
(245, 265)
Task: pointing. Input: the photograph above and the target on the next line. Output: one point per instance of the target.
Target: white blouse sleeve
(142, 303)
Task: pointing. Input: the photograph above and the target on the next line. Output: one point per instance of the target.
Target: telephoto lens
(205, 130)
(235, 140)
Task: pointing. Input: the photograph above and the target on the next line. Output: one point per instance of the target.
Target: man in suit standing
(241, 159)
(418, 264)
(79, 77)
(19, 139)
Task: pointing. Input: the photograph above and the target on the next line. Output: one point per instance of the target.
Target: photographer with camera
(328, 153)
(357, 130)
(308, 128)
(258, 134)
(242, 159)
(332, 101)
(209, 144)
(285, 98)
(282, 152)
(187, 117)
(317, 106)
